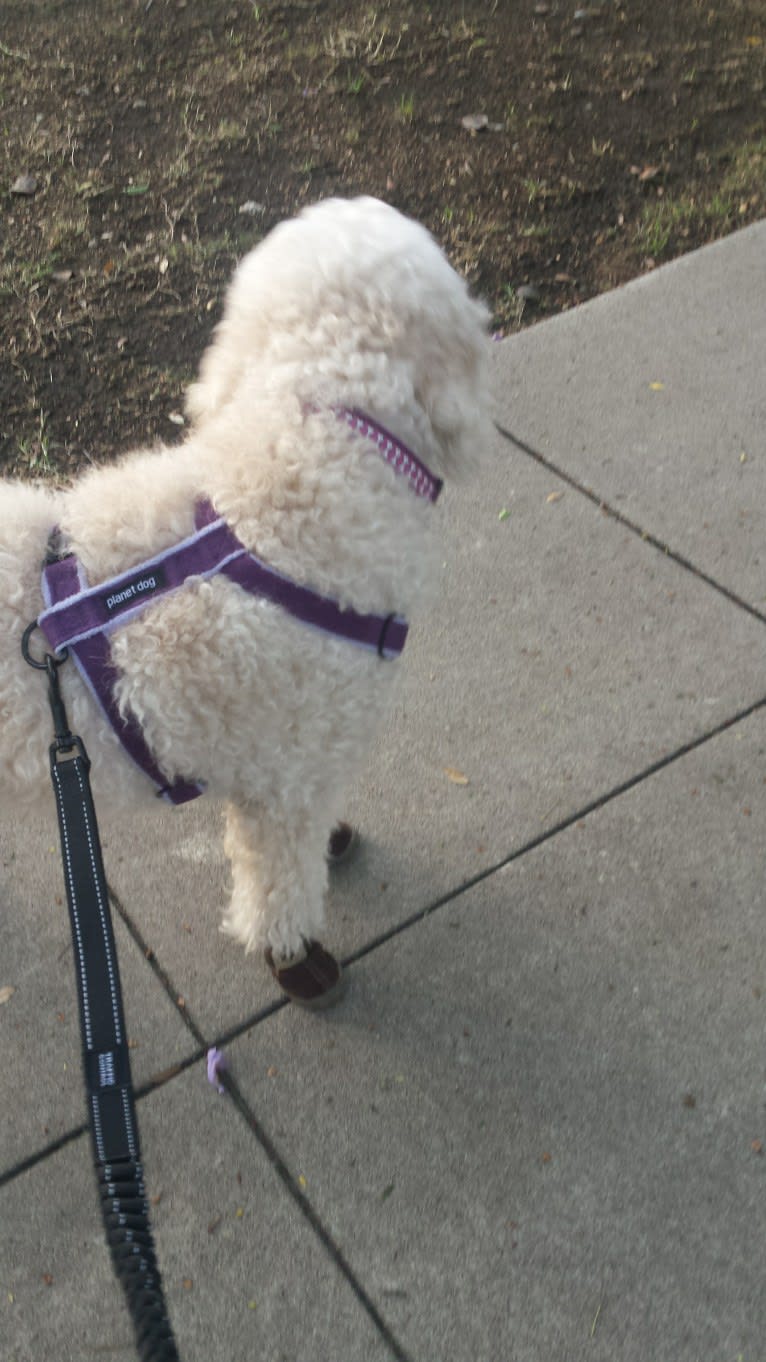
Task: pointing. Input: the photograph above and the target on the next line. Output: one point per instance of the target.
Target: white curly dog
(342, 326)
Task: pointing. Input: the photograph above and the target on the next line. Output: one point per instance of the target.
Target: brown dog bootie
(342, 841)
(311, 978)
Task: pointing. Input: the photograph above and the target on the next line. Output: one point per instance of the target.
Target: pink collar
(401, 459)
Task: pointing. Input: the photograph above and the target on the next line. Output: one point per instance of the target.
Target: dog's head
(352, 302)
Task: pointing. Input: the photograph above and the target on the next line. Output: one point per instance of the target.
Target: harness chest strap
(81, 618)
(63, 588)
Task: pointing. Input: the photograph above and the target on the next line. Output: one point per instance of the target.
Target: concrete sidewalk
(535, 1129)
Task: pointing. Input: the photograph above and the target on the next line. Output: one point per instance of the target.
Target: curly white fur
(349, 304)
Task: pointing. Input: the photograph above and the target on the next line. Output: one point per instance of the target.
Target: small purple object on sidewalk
(216, 1065)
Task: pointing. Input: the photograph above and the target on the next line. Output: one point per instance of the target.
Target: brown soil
(618, 134)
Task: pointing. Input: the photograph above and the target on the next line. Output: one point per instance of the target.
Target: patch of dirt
(165, 137)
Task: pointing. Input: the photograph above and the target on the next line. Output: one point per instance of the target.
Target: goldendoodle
(234, 606)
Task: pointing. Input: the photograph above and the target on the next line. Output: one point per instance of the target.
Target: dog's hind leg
(279, 881)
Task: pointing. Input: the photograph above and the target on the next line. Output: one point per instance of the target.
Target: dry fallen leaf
(657, 387)
(6, 994)
(554, 496)
(456, 777)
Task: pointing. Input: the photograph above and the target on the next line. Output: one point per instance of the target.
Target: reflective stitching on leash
(102, 916)
(129, 1125)
(97, 1131)
(75, 911)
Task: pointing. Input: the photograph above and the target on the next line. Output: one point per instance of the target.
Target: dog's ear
(452, 384)
(237, 343)
(220, 371)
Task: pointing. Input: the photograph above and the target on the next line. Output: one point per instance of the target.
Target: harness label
(139, 589)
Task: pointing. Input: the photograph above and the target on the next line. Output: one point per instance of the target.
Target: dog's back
(27, 515)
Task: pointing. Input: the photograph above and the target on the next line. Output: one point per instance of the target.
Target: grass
(535, 231)
(535, 189)
(371, 42)
(740, 185)
(405, 109)
(242, 108)
(35, 451)
(61, 239)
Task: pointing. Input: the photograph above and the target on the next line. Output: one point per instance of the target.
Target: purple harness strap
(385, 635)
(81, 617)
(64, 580)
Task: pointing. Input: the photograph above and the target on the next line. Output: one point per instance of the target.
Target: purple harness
(82, 617)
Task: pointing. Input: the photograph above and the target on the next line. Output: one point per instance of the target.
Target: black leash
(106, 1059)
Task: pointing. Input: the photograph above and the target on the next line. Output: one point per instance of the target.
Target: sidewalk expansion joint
(155, 1081)
(645, 535)
(306, 1209)
(47, 1151)
(179, 1004)
(242, 1028)
(157, 969)
(278, 1164)
(31, 1161)
(600, 802)
(201, 1045)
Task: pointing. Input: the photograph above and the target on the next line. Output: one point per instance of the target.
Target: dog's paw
(343, 840)
(312, 978)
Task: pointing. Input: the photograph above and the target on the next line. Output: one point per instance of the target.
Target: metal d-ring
(50, 658)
